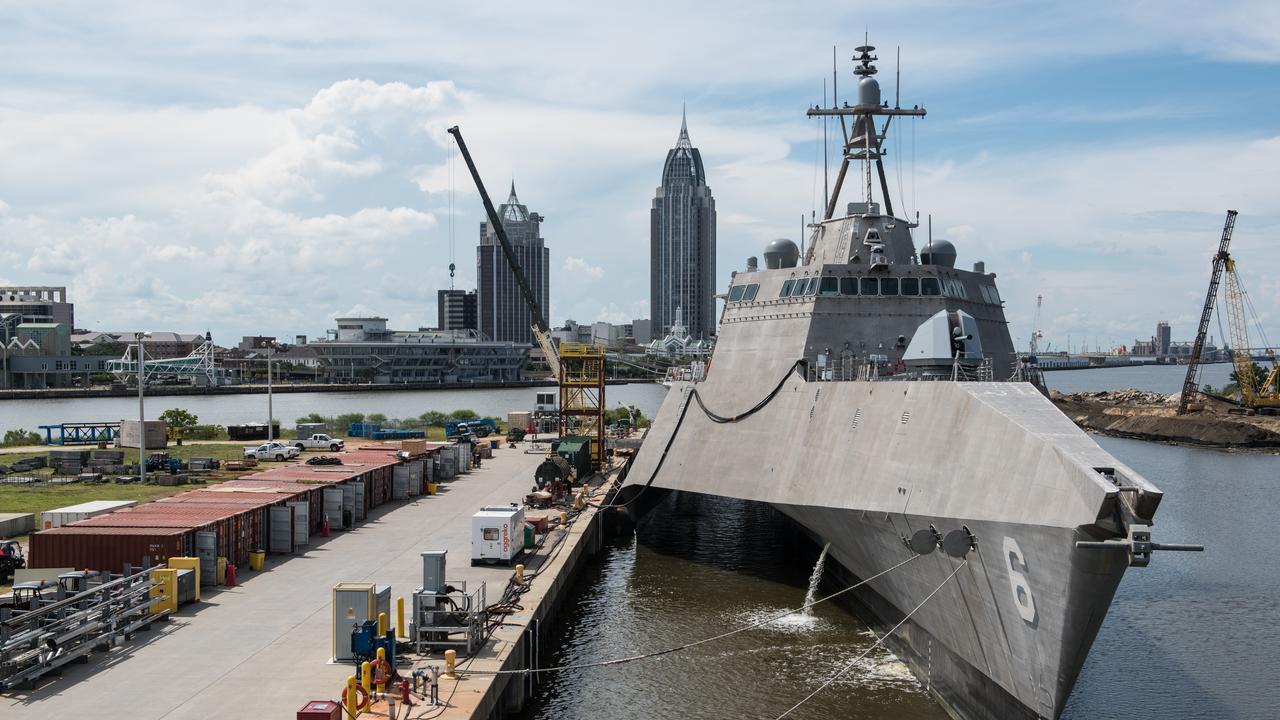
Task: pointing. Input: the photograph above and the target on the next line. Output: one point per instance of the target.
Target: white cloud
(576, 267)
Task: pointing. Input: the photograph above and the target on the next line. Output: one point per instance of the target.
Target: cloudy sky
(262, 167)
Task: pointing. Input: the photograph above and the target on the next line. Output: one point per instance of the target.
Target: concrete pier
(261, 649)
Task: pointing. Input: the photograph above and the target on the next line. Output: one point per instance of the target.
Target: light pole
(271, 432)
(142, 415)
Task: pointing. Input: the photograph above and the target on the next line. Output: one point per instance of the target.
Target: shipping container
(83, 511)
(105, 549)
(15, 524)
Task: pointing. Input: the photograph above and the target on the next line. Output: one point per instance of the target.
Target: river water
(1191, 636)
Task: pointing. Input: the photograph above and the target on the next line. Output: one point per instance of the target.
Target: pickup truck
(319, 442)
(271, 451)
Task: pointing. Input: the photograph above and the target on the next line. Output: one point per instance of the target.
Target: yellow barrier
(400, 617)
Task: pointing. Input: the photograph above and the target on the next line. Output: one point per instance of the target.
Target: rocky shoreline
(1150, 416)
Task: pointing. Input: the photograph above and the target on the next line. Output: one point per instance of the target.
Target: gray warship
(872, 393)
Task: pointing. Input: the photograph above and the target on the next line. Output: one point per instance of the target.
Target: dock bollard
(450, 662)
(366, 677)
(382, 624)
(520, 574)
(350, 696)
(400, 617)
(382, 669)
(564, 519)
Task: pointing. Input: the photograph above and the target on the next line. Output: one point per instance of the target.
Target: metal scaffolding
(198, 367)
(582, 402)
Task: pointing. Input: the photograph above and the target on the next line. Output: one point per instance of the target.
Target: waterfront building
(38, 304)
(160, 345)
(679, 342)
(503, 315)
(456, 310)
(38, 355)
(364, 350)
(682, 244)
(1162, 338)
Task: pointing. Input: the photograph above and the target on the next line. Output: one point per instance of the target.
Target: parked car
(319, 441)
(273, 450)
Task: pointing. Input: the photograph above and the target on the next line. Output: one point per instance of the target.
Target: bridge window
(735, 292)
(829, 286)
(870, 286)
(889, 286)
(929, 286)
(786, 288)
(798, 289)
(750, 293)
(812, 288)
(848, 286)
(910, 286)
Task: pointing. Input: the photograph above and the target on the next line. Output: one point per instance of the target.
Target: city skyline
(211, 176)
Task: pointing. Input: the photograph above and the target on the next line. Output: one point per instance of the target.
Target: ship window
(735, 293)
(798, 289)
(889, 286)
(910, 286)
(786, 288)
(813, 286)
(749, 293)
(870, 286)
(929, 286)
(830, 286)
(848, 286)
(995, 295)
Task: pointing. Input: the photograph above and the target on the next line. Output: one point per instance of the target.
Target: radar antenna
(866, 141)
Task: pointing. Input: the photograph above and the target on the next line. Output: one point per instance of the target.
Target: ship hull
(864, 465)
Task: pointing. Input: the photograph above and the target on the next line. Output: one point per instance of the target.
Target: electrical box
(353, 603)
(497, 534)
(433, 564)
(320, 710)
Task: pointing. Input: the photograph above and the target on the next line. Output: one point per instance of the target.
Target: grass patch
(21, 499)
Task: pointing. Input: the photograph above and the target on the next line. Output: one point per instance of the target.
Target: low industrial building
(364, 350)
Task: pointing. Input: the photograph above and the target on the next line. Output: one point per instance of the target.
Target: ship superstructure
(871, 392)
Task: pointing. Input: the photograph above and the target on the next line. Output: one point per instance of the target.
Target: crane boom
(540, 327)
(1220, 260)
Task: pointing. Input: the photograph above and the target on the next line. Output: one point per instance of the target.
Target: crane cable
(877, 644)
(695, 643)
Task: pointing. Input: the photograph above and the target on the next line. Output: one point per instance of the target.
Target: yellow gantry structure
(582, 402)
(1251, 393)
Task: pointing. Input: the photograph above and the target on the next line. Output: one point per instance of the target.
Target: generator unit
(445, 615)
(355, 603)
(497, 534)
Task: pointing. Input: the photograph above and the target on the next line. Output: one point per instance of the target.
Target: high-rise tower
(682, 244)
(503, 314)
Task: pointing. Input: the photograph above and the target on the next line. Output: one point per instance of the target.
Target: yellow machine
(1252, 394)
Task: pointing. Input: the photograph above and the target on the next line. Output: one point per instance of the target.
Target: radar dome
(868, 91)
(781, 253)
(938, 252)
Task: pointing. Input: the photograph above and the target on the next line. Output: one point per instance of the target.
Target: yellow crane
(1252, 393)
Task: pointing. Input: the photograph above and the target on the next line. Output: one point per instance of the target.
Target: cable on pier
(713, 417)
(877, 644)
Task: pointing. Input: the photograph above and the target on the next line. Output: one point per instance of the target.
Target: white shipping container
(83, 511)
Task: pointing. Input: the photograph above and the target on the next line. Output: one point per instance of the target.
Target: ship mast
(867, 142)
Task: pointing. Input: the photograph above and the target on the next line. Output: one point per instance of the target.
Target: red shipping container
(104, 548)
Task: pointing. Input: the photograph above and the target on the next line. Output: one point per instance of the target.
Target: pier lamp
(139, 337)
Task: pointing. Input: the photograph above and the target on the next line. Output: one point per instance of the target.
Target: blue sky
(259, 168)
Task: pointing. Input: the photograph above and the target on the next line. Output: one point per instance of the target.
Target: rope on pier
(695, 643)
(877, 644)
(713, 417)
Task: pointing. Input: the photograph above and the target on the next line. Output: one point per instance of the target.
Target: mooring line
(877, 644)
(695, 643)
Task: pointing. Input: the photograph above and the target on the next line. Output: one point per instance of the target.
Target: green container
(529, 537)
(576, 449)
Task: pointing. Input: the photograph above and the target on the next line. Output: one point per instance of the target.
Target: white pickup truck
(274, 450)
(319, 442)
